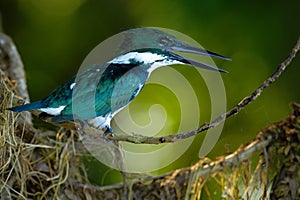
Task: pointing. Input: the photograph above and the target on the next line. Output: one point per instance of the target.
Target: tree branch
(281, 137)
(11, 64)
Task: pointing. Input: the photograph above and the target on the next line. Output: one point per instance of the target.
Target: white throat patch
(145, 57)
(156, 65)
(154, 59)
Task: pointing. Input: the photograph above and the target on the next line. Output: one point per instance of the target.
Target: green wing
(98, 91)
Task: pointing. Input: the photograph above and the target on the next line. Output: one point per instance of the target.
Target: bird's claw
(108, 133)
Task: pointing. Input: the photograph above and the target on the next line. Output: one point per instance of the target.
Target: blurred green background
(54, 36)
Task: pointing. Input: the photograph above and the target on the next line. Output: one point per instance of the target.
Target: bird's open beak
(186, 48)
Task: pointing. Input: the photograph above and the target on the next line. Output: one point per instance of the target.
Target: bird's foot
(109, 132)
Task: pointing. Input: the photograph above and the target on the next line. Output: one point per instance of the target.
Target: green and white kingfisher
(100, 91)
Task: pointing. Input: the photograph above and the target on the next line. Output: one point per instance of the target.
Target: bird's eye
(164, 41)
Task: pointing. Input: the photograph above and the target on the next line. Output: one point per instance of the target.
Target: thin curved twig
(139, 139)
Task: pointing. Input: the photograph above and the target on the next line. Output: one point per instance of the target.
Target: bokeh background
(53, 37)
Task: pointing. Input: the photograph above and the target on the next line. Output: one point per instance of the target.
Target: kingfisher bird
(98, 92)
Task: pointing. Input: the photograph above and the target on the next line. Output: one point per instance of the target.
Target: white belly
(101, 122)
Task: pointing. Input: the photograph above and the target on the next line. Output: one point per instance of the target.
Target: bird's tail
(31, 106)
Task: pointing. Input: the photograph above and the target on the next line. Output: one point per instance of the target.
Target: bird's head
(156, 48)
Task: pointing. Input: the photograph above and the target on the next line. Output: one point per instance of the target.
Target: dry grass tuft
(33, 164)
